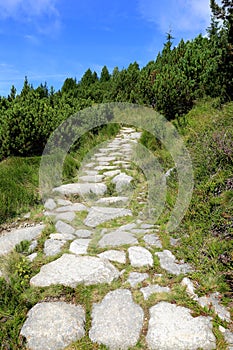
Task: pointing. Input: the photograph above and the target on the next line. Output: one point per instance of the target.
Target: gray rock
(11, 239)
(63, 202)
(112, 200)
(50, 204)
(105, 167)
(80, 246)
(32, 246)
(105, 159)
(153, 240)
(122, 181)
(174, 241)
(99, 215)
(154, 288)
(62, 227)
(172, 327)
(147, 226)
(114, 255)
(117, 238)
(228, 336)
(167, 262)
(53, 325)
(71, 270)
(82, 189)
(91, 178)
(62, 236)
(212, 301)
(116, 321)
(136, 277)
(67, 216)
(72, 207)
(127, 227)
(186, 282)
(140, 256)
(32, 256)
(140, 231)
(82, 233)
(53, 247)
(111, 173)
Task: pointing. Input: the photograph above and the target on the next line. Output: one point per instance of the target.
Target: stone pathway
(99, 241)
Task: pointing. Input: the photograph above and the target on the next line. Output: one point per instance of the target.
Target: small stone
(27, 216)
(122, 181)
(167, 262)
(62, 227)
(62, 236)
(155, 288)
(174, 241)
(114, 255)
(189, 288)
(117, 238)
(32, 256)
(212, 301)
(136, 277)
(111, 173)
(172, 327)
(53, 247)
(127, 227)
(32, 246)
(140, 257)
(228, 336)
(71, 270)
(50, 204)
(79, 246)
(99, 215)
(53, 325)
(152, 240)
(116, 321)
(105, 167)
(82, 233)
(147, 226)
(63, 202)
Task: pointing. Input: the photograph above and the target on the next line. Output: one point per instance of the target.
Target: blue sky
(50, 40)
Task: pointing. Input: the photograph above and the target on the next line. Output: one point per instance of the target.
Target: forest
(171, 84)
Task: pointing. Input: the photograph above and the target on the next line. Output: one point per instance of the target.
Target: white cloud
(189, 16)
(28, 8)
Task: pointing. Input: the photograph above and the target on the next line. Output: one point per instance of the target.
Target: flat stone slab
(114, 255)
(140, 257)
(14, 237)
(105, 167)
(136, 277)
(82, 233)
(112, 200)
(91, 178)
(53, 247)
(62, 236)
(62, 227)
(154, 288)
(152, 240)
(167, 262)
(172, 327)
(116, 321)
(99, 215)
(111, 173)
(72, 207)
(82, 189)
(117, 238)
(67, 216)
(80, 246)
(71, 270)
(63, 202)
(53, 325)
